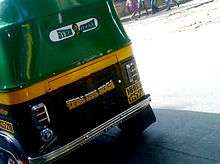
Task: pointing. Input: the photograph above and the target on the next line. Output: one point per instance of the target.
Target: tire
(138, 123)
(10, 150)
(5, 158)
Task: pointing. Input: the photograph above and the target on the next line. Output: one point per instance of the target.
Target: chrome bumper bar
(91, 134)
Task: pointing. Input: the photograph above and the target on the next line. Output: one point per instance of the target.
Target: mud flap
(139, 122)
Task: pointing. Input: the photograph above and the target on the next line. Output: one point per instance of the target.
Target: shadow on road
(177, 137)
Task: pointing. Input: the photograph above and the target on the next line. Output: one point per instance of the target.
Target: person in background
(144, 4)
(132, 6)
(154, 7)
(169, 2)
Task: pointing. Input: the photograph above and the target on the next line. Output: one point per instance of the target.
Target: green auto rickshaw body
(28, 55)
(67, 74)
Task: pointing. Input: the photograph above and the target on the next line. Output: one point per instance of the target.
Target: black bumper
(83, 139)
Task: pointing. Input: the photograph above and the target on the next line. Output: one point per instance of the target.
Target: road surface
(178, 137)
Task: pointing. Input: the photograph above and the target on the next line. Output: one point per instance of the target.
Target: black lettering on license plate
(134, 92)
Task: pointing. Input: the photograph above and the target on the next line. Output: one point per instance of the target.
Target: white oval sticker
(70, 30)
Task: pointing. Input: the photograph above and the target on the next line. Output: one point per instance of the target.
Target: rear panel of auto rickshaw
(67, 74)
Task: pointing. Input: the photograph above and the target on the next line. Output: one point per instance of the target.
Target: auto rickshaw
(67, 74)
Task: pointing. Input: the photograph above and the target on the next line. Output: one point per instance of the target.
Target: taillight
(41, 121)
(23, 162)
(132, 72)
(40, 116)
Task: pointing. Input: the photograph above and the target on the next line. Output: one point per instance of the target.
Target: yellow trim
(65, 78)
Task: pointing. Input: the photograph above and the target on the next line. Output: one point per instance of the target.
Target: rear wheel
(10, 150)
(138, 123)
(6, 158)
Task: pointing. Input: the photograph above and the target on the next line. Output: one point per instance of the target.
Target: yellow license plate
(7, 126)
(134, 92)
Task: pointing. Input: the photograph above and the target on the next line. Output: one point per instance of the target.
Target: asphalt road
(178, 137)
